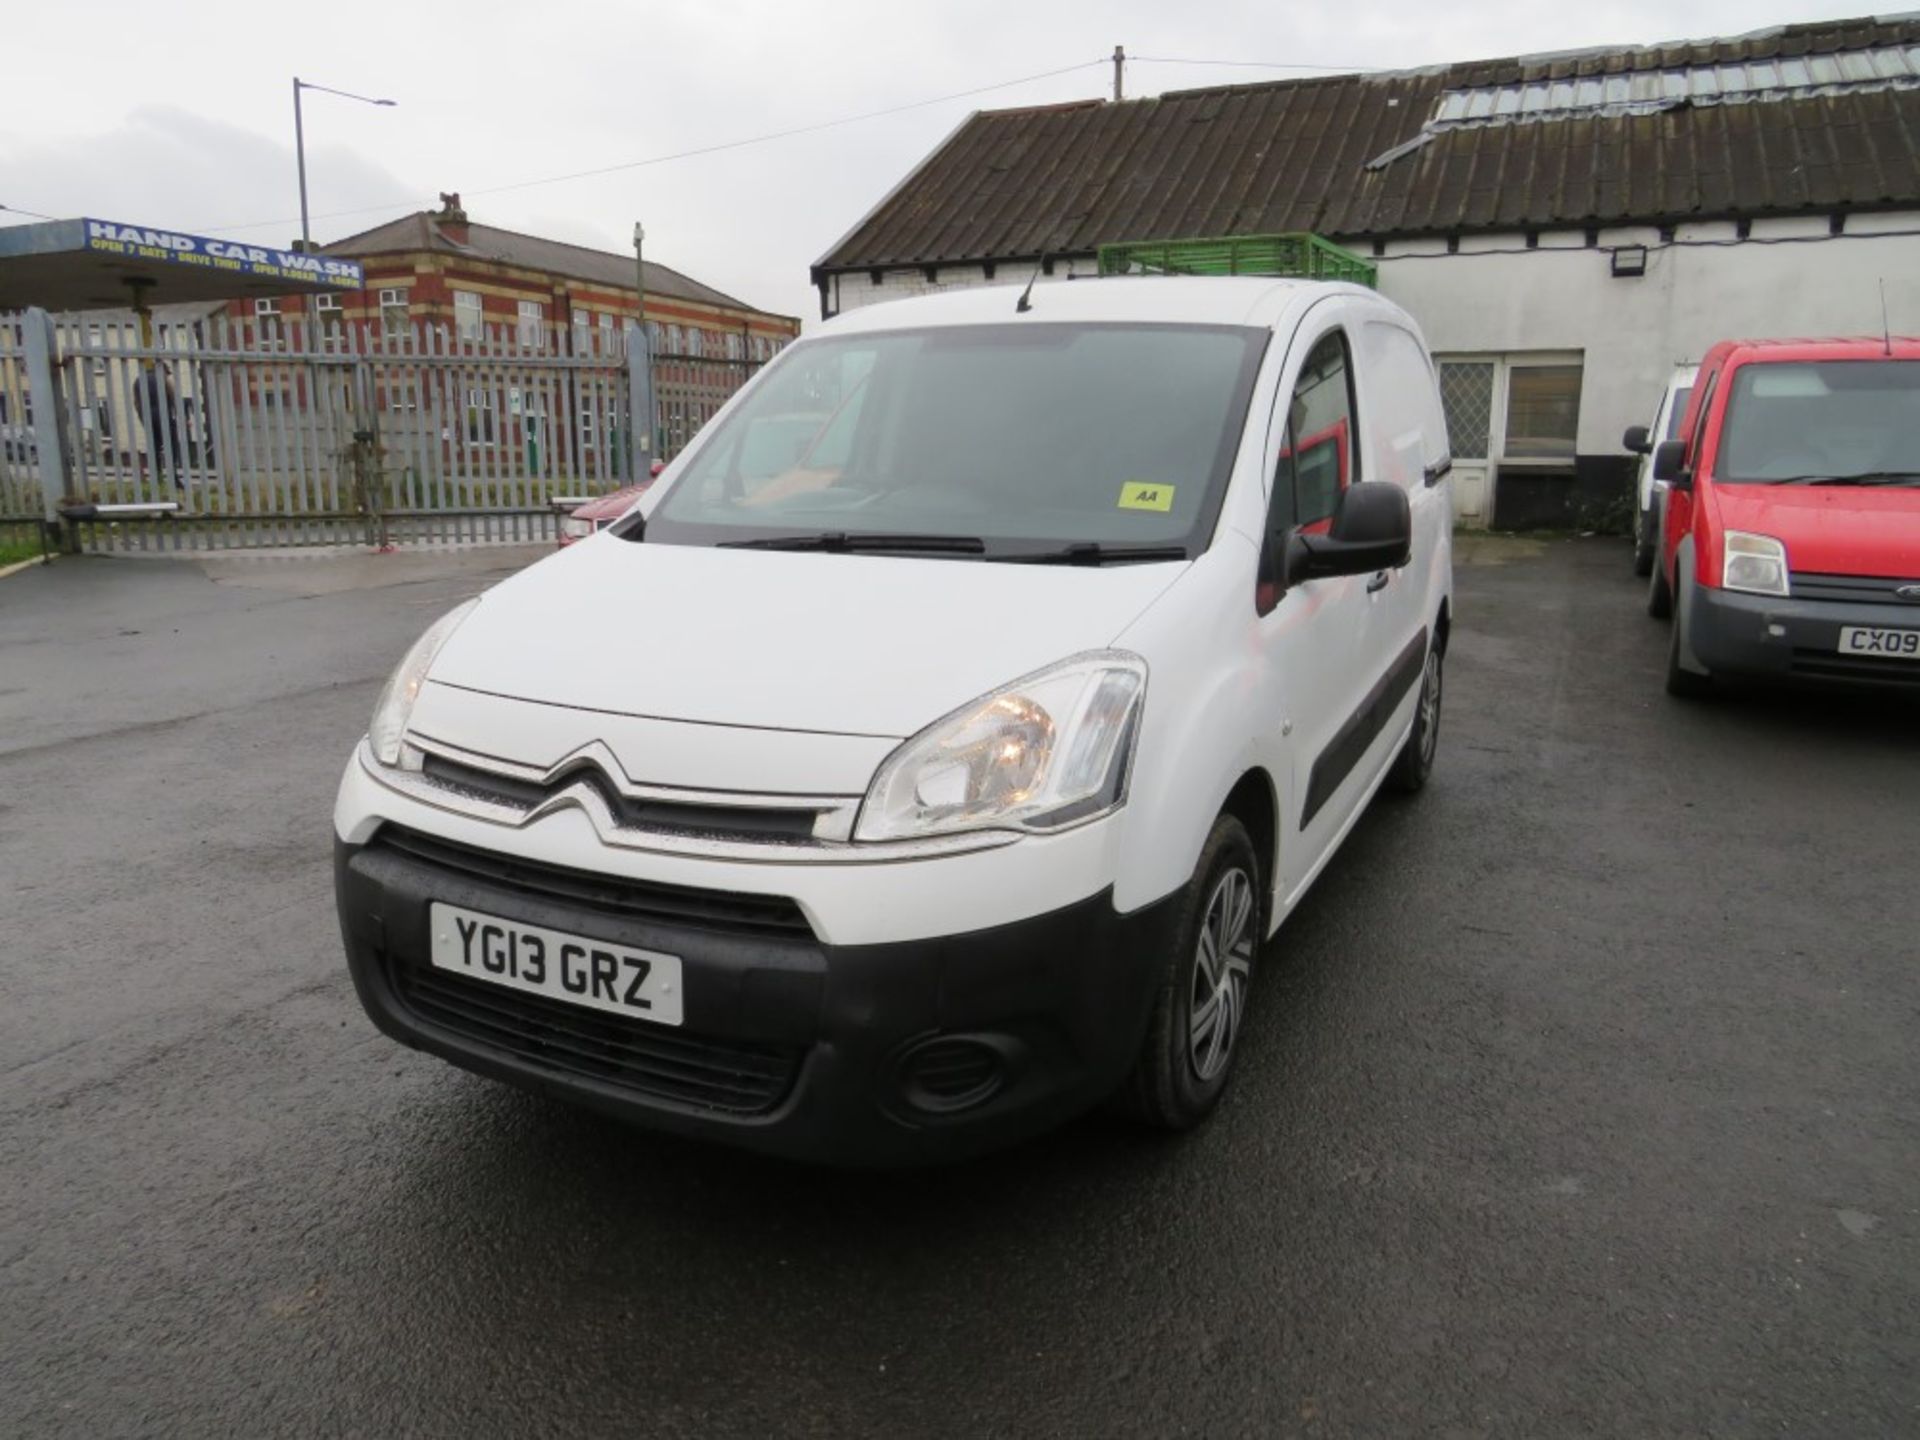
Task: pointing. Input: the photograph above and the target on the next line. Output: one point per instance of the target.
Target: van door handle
(1379, 582)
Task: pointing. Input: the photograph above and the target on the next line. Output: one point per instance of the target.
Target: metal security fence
(215, 433)
(22, 504)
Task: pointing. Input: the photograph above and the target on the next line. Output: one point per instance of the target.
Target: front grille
(1853, 589)
(730, 1077)
(1827, 665)
(730, 912)
(728, 822)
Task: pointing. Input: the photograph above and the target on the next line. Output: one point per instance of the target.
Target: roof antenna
(1886, 328)
(1025, 302)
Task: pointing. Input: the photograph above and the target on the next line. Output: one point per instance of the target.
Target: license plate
(639, 984)
(1862, 640)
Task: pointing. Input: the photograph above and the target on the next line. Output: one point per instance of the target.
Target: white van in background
(940, 781)
(1642, 440)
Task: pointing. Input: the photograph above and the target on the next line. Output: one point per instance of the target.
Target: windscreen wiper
(842, 541)
(1869, 477)
(1094, 552)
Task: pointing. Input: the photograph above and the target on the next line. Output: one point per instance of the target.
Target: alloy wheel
(1430, 710)
(1221, 970)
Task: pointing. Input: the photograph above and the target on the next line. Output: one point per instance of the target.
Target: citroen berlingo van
(992, 676)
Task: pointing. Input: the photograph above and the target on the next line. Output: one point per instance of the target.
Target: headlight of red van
(1756, 564)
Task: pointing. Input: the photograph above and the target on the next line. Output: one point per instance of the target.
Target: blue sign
(230, 257)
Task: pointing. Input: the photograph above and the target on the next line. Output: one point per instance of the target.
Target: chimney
(450, 219)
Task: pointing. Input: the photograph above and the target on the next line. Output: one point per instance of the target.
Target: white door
(1467, 389)
(1316, 636)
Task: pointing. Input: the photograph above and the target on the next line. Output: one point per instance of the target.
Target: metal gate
(254, 432)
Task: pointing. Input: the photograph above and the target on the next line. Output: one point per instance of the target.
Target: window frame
(1283, 475)
(478, 308)
(1511, 364)
(391, 298)
(530, 323)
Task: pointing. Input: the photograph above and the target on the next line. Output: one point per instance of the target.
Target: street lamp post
(643, 439)
(300, 142)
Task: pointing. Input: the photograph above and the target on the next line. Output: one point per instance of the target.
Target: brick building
(439, 269)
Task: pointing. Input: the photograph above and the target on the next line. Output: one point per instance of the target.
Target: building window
(533, 324)
(468, 317)
(267, 309)
(655, 336)
(480, 417)
(331, 313)
(582, 330)
(586, 424)
(696, 342)
(1466, 392)
(675, 343)
(393, 313)
(1543, 411)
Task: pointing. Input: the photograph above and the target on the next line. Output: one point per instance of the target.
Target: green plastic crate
(1298, 255)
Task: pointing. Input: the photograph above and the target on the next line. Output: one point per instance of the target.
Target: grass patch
(12, 552)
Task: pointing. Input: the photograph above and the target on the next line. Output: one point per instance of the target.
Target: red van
(1790, 534)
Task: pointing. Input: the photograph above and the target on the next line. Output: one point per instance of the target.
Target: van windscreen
(1832, 422)
(1023, 437)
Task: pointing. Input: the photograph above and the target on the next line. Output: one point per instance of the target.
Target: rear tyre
(1415, 761)
(1659, 595)
(1187, 1056)
(1646, 534)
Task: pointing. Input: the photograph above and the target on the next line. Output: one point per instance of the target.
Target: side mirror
(1372, 530)
(1637, 440)
(1668, 459)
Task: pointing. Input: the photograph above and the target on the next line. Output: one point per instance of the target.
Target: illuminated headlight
(574, 528)
(395, 706)
(1756, 564)
(1048, 751)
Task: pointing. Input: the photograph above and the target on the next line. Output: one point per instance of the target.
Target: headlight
(395, 705)
(574, 528)
(1046, 751)
(1756, 564)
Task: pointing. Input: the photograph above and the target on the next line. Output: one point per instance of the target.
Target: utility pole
(1119, 66)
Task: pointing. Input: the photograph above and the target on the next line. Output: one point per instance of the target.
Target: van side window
(1699, 436)
(1322, 445)
(1319, 457)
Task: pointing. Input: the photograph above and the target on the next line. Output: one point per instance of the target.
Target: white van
(939, 780)
(1642, 440)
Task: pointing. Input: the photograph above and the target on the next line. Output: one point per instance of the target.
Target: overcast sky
(181, 116)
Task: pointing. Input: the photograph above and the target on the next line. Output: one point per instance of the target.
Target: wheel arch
(1255, 803)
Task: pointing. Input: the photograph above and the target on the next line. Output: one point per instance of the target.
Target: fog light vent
(953, 1072)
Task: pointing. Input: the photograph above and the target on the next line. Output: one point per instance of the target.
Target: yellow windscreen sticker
(1145, 495)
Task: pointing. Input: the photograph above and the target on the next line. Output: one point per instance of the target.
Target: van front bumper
(873, 1053)
(1789, 638)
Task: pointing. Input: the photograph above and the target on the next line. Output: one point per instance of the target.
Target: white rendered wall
(1561, 296)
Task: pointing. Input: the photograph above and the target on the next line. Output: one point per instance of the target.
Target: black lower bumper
(870, 1054)
(1796, 640)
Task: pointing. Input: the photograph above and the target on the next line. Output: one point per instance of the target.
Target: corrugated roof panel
(1294, 154)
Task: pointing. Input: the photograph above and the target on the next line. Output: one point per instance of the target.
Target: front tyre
(1415, 761)
(1201, 1008)
(1685, 683)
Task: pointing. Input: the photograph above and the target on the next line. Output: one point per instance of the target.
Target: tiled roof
(509, 247)
(1762, 124)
